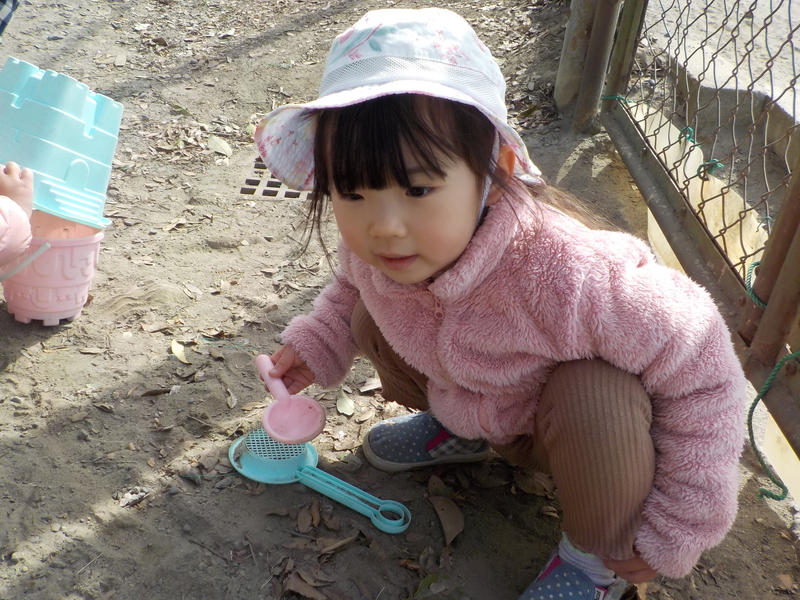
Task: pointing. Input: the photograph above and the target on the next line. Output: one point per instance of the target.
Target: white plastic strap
(39, 251)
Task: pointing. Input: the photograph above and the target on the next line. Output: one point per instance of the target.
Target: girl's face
(412, 233)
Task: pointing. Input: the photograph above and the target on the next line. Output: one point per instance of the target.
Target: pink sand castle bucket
(51, 280)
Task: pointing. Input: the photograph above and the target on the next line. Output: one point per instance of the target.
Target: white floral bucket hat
(428, 51)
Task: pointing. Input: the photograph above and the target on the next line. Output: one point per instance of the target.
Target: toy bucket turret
(66, 134)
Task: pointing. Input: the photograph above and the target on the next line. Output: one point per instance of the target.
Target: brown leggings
(592, 434)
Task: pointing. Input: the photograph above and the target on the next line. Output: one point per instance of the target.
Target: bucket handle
(39, 251)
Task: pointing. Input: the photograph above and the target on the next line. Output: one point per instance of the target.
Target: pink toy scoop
(290, 419)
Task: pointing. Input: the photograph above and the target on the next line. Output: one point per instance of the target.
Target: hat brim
(285, 136)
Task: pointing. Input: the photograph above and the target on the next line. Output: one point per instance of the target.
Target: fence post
(624, 51)
(786, 226)
(771, 334)
(594, 72)
(573, 53)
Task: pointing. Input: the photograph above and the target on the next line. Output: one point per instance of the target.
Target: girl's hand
(17, 184)
(291, 369)
(635, 569)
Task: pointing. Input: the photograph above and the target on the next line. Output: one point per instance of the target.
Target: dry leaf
(437, 487)
(91, 350)
(786, 581)
(409, 563)
(340, 544)
(79, 417)
(366, 415)
(345, 404)
(450, 516)
(232, 399)
(155, 327)
(548, 510)
(534, 482)
(210, 460)
(486, 476)
(346, 444)
(174, 225)
(179, 352)
(370, 384)
(315, 514)
(255, 490)
(157, 392)
(253, 406)
(295, 583)
(304, 520)
(310, 578)
(219, 145)
(332, 522)
(192, 291)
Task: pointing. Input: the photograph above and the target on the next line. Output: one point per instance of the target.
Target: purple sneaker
(561, 581)
(418, 440)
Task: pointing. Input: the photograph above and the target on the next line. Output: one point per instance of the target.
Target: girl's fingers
(635, 570)
(281, 362)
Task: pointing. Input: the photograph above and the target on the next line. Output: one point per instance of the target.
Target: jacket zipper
(438, 310)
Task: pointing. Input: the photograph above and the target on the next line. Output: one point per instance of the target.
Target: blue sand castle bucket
(66, 134)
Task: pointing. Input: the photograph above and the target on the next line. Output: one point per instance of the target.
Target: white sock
(591, 564)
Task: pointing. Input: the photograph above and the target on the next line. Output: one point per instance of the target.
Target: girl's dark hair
(361, 146)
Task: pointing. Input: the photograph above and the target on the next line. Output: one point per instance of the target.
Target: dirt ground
(115, 428)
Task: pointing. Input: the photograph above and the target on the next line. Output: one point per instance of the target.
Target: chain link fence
(713, 90)
(701, 102)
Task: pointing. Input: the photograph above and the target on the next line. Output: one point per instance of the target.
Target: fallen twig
(335, 546)
(204, 547)
(90, 562)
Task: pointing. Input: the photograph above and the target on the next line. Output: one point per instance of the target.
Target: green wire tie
(756, 300)
(770, 473)
(707, 168)
(688, 133)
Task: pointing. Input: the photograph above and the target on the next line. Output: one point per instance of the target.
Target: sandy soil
(115, 428)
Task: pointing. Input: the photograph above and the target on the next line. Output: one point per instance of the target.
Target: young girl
(507, 323)
(16, 206)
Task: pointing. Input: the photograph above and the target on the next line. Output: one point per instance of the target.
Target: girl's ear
(506, 161)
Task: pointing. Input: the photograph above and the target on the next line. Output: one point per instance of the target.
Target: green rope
(688, 133)
(756, 300)
(770, 473)
(708, 168)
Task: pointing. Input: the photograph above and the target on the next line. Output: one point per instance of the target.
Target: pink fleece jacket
(15, 231)
(535, 288)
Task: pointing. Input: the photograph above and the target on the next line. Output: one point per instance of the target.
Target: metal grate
(261, 183)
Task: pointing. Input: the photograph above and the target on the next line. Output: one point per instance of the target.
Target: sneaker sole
(394, 467)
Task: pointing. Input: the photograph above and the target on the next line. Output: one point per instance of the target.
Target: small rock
(187, 528)
(83, 434)
(174, 491)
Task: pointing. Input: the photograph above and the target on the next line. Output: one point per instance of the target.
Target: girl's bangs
(361, 146)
